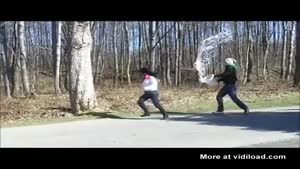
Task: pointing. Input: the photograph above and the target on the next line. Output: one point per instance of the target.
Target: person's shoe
(218, 113)
(165, 117)
(145, 115)
(246, 111)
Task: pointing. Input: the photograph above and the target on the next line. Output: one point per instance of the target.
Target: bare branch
(163, 36)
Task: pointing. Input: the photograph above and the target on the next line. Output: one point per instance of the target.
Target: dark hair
(147, 71)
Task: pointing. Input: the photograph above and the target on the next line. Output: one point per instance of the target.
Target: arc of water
(205, 49)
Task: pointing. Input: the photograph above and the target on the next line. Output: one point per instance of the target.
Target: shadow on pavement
(284, 120)
(263, 121)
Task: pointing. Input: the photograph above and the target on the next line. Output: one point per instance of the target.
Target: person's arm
(150, 84)
(224, 75)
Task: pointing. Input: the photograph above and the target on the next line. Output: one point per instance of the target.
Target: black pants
(231, 91)
(153, 95)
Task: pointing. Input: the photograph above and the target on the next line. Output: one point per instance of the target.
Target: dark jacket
(228, 76)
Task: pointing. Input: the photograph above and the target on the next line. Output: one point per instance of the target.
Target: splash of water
(205, 52)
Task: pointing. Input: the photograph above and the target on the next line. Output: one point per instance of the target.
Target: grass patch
(255, 104)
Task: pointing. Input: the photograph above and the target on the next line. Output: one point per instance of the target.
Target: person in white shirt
(150, 87)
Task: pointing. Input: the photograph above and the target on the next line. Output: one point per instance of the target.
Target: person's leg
(141, 103)
(235, 99)
(155, 101)
(223, 92)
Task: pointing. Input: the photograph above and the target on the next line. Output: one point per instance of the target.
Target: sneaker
(165, 117)
(246, 112)
(218, 112)
(146, 114)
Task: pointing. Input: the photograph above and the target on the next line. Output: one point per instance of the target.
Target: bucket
(209, 80)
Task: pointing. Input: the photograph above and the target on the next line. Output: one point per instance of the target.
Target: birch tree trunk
(56, 51)
(293, 50)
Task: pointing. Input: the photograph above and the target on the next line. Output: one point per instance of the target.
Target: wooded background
(30, 51)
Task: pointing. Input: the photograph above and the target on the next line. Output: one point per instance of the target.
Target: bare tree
(56, 51)
(16, 82)
(5, 75)
(297, 56)
(116, 67)
(169, 50)
(3, 56)
(21, 36)
(292, 53)
(284, 49)
(82, 93)
(248, 70)
(266, 47)
(152, 40)
(127, 52)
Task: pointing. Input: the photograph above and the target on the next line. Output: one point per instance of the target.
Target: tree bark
(248, 69)
(168, 49)
(82, 93)
(23, 58)
(292, 53)
(127, 53)
(5, 65)
(116, 67)
(284, 48)
(297, 56)
(152, 40)
(5, 75)
(56, 52)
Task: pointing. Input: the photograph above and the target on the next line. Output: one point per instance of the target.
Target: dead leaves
(50, 106)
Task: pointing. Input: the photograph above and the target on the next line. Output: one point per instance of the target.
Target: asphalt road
(273, 127)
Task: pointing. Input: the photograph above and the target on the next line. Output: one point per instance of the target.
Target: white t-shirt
(150, 83)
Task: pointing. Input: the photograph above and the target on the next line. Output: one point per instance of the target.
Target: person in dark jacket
(150, 87)
(229, 78)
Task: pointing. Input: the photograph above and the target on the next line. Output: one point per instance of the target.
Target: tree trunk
(284, 47)
(168, 63)
(102, 62)
(220, 52)
(122, 54)
(278, 52)
(16, 83)
(177, 51)
(248, 69)
(265, 60)
(102, 52)
(5, 65)
(178, 42)
(152, 41)
(82, 93)
(274, 53)
(192, 60)
(116, 67)
(266, 45)
(236, 41)
(258, 52)
(23, 56)
(140, 45)
(292, 53)
(98, 49)
(297, 56)
(127, 53)
(56, 52)
(182, 55)
(5, 75)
